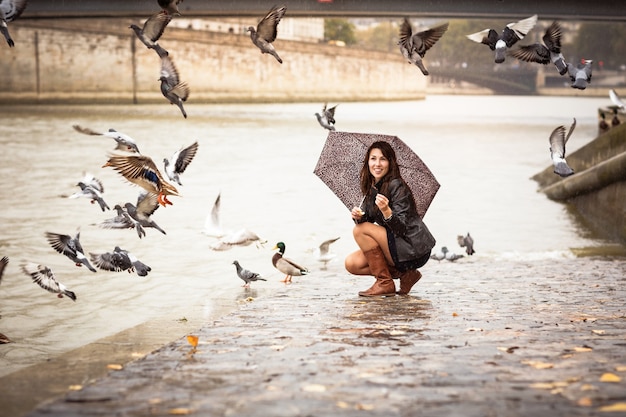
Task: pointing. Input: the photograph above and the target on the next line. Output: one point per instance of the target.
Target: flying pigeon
(123, 220)
(170, 6)
(549, 51)
(147, 204)
(124, 142)
(466, 242)
(413, 46)
(286, 265)
(179, 161)
(323, 253)
(152, 30)
(512, 33)
(327, 118)
(3, 264)
(616, 99)
(91, 188)
(142, 171)
(558, 139)
(580, 75)
(9, 11)
(120, 260)
(450, 256)
(247, 276)
(265, 32)
(70, 247)
(174, 90)
(44, 277)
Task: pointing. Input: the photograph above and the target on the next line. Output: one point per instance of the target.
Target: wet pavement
(477, 337)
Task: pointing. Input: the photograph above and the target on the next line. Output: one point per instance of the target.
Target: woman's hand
(382, 203)
(357, 213)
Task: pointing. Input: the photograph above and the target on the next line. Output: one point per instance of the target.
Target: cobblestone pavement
(475, 338)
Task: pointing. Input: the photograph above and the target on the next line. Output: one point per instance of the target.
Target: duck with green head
(286, 265)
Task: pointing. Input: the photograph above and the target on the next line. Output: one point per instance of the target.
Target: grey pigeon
(266, 31)
(152, 30)
(91, 188)
(616, 99)
(174, 90)
(44, 277)
(123, 220)
(438, 256)
(327, 118)
(413, 46)
(147, 204)
(466, 242)
(70, 247)
(580, 75)
(123, 142)
(9, 11)
(450, 256)
(499, 43)
(120, 260)
(170, 6)
(3, 264)
(247, 276)
(179, 161)
(549, 51)
(558, 139)
(323, 253)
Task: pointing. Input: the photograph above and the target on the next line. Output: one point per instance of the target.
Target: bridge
(502, 80)
(599, 10)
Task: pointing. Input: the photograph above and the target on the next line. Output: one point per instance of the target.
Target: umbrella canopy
(341, 159)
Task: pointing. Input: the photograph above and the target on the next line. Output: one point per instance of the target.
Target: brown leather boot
(384, 285)
(407, 280)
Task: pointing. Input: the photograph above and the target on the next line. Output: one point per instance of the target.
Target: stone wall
(85, 60)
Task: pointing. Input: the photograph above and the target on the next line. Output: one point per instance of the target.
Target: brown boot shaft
(384, 285)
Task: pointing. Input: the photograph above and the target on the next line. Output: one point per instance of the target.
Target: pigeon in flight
(512, 33)
(179, 161)
(413, 46)
(327, 118)
(174, 90)
(3, 264)
(120, 260)
(91, 188)
(247, 276)
(549, 51)
(152, 30)
(9, 11)
(124, 142)
(286, 265)
(44, 277)
(558, 139)
(170, 6)
(580, 75)
(466, 242)
(616, 99)
(323, 253)
(265, 32)
(123, 220)
(147, 204)
(70, 247)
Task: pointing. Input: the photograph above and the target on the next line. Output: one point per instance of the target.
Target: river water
(260, 157)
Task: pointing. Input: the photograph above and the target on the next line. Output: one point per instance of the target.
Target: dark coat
(412, 237)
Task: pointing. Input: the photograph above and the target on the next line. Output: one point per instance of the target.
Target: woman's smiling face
(378, 164)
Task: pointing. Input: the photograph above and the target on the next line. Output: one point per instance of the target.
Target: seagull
(174, 90)
(152, 30)
(413, 46)
(123, 220)
(438, 256)
(170, 6)
(580, 75)
(9, 11)
(147, 204)
(70, 247)
(450, 256)
(327, 118)
(242, 237)
(124, 142)
(3, 264)
(286, 265)
(616, 99)
(512, 33)
(323, 253)
(44, 277)
(265, 32)
(558, 139)
(549, 51)
(120, 260)
(247, 276)
(212, 223)
(179, 161)
(142, 171)
(466, 242)
(91, 188)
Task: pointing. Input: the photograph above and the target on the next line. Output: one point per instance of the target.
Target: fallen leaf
(539, 364)
(115, 366)
(582, 349)
(342, 404)
(609, 377)
(620, 368)
(364, 407)
(179, 411)
(75, 387)
(599, 331)
(588, 387)
(314, 388)
(455, 315)
(192, 340)
(613, 408)
(508, 349)
(549, 385)
(585, 402)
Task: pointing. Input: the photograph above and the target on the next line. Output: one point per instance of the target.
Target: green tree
(382, 37)
(604, 42)
(339, 30)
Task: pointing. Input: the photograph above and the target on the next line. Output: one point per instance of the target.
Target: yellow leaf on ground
(455, 315)
(582, 349)
(179, 411)
(115, 366)
(613, 408)
(620, 368)
(609, 377)
(585, 402)
(599, 331)
(539, 364)
(75, 387)
(192, 340)
(314, 388)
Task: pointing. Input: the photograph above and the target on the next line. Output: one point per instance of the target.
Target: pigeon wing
(184, 157)
(154, 27)
(147, 204)
(522, 27)
(552, 37)
(569, 133)
(3, 264)
(266, 28)
(557, 141)
(169, 71)
(406, 35)
(488, 37)
(427, 38)
(532, 53)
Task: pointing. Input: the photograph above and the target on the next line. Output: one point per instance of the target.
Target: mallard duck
(152, 30)
(286, 265)
(265, 32)
(44, 277)
(179, 162)
(142, 171)
(70, 247)
(323, 253)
